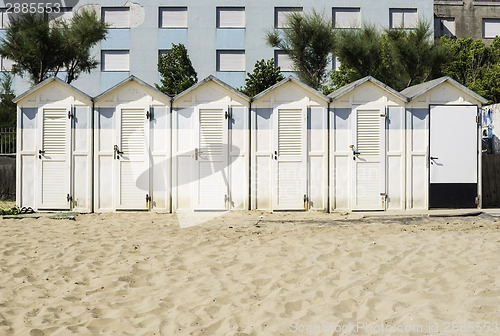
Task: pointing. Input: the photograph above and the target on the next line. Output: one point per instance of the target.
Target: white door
(368, 154)
(132, 160)
(290, 158)
(453, 156)
(54, 157)
(211, 157)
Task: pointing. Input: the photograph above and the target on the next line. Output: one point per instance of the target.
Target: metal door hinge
(70, 115)
(226, 201)
(148, 115)
(227, 115)
(477, 200)
(196, 153)
(69, 198)
(478, 119)
(383, 115)
(306, 201)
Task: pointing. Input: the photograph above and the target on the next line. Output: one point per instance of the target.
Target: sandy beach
(250, 273)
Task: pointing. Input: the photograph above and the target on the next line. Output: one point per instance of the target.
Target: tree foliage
(264, 75)
(41, 48)
(308, 40)
(397, 57)
(475, 65)
(176, 70)
(7, 106)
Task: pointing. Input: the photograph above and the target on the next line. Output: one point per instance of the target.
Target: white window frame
(277, 53)
(176, 9)
(357, 10)
(122, 52)
(495, 21)
(403, 11)
(116, 9)
(236, 23)
(223, 68)
(278, 18)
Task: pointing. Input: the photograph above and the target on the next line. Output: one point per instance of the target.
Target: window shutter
(116, 60)
(290, 132)
(116, 17)
(233, 60)
(347, 17)
(396, 18)
(368, 127)
(173, 17)
(491, 28)
(283, 61)
(410, 18)
(231, 17)
(64, 14)
(281, 13)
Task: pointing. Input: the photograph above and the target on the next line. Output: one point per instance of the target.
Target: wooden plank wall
(491, 180)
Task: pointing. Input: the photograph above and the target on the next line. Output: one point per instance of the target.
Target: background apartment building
(467, 18)
(224, 38)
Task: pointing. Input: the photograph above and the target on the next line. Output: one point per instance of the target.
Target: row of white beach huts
(363, 147)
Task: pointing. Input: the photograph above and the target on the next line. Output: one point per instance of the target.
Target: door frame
(147, 152)
(196, 138)
(383, 156)
(479, 152)
(68, 155)
(305, 151)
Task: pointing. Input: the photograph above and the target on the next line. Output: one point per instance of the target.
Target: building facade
(467, 18)
(224, 38)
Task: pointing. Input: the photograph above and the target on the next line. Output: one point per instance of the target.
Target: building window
(115, 60)
(282, 60)
(346, 17)
(117, 17)
(403, 18)
(491, 28)
(231, 17)
(444, 26)
(230, 60)
(65, 14)
(281, 13)
(336, 63)
(173, 17)
(6, 64)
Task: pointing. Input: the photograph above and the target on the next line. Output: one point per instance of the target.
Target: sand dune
(239, 274)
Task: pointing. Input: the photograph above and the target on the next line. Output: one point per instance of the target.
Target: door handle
(117, 152)
(40, 153)
(434, 158)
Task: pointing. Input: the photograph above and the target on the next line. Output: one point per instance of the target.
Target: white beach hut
(444, 145)
(54, 142)
(289, 148)
(132, 148)
(210, 147)
(367, 147)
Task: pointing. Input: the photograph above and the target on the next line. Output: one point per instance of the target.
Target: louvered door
(54, 157)
(290, 159)
(211, 156)
(368, 153)
(132, 160)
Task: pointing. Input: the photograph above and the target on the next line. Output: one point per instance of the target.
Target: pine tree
(176, 70)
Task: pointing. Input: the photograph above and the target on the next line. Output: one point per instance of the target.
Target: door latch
(148, 200)
(117, 152)
(40, 153)
(384, 199)
(226, 202)
(276, 155)
(306, 201)
(354, 152)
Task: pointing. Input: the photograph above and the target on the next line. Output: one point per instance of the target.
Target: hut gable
(53, 90)
(211, 90)
(291, 90)
(367, 91)
(133, 90)
(443, 90)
